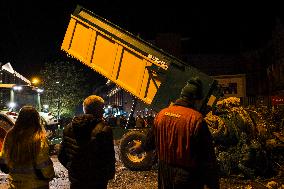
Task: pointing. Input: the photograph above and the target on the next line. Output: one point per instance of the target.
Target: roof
(8, 67)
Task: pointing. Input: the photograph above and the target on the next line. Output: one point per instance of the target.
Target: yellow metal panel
(80, 41)
(145, 82)
(117, 63)
(153, 87)
(68, 35)
(92, 44)
(129, 71)
(140, 75)
(104, 55)
(150, 85)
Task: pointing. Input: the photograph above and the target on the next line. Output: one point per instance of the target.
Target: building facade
(9, 76)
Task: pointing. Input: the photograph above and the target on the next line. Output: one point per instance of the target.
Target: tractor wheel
(4, 128)
(130, 158)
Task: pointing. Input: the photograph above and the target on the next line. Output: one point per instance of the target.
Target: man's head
(94, 105)
(192, 90)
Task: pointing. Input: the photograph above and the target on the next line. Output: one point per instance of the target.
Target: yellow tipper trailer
(147, 72)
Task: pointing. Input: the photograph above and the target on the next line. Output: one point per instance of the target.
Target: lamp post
(12, 103)
(58, 99)
(39, 91)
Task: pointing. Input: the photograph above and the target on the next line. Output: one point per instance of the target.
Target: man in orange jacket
(184, 144)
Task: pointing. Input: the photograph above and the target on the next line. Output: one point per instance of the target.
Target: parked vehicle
(13, 97)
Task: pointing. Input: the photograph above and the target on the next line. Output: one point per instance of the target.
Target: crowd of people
(139, 121)
(179, 134)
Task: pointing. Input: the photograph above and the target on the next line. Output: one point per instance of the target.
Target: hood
(185, 103)
(83, 125)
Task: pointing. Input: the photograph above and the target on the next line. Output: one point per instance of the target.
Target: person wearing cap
(87, 149)
(183, 143)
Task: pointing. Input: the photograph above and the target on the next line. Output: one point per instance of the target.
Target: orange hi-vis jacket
(182, 138)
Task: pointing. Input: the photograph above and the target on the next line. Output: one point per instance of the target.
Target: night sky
(32, 31)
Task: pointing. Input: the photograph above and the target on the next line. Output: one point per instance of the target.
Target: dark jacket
(87, 150)
(184, 144)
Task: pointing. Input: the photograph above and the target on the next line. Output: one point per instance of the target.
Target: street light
(39, 90)
(11, 106)
(17, 88)
(35, 81)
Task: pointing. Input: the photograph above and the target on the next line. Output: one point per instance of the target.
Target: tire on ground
(131, 159)
(4, 128)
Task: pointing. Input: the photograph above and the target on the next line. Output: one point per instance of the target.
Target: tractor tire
(130, 158)
(4, 128)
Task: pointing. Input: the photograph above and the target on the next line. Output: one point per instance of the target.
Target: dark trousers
(171, 177)
(102, 185)
(88, 184)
